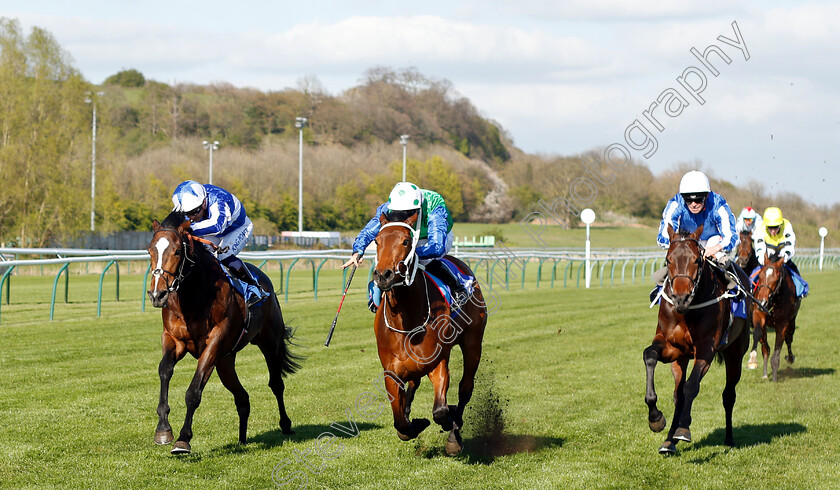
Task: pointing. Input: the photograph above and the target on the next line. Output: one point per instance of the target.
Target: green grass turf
(532, 236)
(559, 400)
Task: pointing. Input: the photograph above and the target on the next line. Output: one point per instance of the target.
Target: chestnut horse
(205, 316)
(694, 323)
(415, 333)
(776, 292)
(745, 254)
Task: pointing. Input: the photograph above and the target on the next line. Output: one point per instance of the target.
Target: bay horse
(745, 254)
(205, 316)
(693, 323)
(776, 292)
(416, 329)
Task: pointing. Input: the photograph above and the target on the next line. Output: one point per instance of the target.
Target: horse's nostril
(389, 274)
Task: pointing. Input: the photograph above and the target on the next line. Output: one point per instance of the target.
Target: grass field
(559, 400)
(532, 236)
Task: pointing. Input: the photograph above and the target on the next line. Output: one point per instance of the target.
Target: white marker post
(587, 216)
(823, 233)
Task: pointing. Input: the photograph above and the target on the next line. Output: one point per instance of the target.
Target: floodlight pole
(210, 146)
(300, 123)
(91, 99)
(404, 142)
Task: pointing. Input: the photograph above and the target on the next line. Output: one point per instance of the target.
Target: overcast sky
(562, 77)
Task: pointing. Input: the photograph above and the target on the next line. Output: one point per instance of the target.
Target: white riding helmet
(695, 183)
(748, 213)
(404, 197)
(188, 196)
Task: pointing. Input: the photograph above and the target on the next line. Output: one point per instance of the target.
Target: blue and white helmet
(189, 195)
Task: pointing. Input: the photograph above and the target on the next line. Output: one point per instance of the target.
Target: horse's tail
(289, 362)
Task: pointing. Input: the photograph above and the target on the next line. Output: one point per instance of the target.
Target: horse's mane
(174, 220)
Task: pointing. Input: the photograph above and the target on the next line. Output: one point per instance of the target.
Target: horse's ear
(697, 232)
(183, 227)
(671, 232)
(412, 220)
(382, 219)
(155, 225)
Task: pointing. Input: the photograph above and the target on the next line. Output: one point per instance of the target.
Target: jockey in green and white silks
(435, 227)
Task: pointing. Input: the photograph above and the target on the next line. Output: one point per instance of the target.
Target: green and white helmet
(404, 197)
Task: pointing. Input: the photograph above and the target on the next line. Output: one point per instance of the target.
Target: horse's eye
(405, 242)
(178, 252)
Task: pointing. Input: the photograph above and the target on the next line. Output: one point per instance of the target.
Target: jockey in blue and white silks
(695, 204)
(716, 217)
(218, 216)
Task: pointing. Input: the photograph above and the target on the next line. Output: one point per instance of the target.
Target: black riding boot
(459, 293)
(241, 272)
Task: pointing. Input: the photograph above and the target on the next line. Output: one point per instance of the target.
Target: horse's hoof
(682, 435)
(790, 359)
(752, 363)
(764, 376)
(417, 426)
(181, 447)
(657, 425)
(453, 443)
(668, 448)
(163, 437)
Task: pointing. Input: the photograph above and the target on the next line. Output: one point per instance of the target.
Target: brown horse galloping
(694, 323)
(415, 334)
(205, 316)
(776, 292)
(745, 254)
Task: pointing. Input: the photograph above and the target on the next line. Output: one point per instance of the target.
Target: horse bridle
(181, 275)
(406, 268)
(694, 281)
(773, 291)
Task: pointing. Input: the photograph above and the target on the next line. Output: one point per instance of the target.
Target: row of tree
(150, 137)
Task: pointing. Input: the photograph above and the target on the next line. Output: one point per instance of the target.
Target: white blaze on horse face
(769, 273)
(161, 246)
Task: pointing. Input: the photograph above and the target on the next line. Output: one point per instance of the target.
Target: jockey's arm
(789, 237)
(365, 237)
(435, 247)
(667, 219)
(218, 214)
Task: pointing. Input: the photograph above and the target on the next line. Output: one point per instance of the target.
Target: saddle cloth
(467, 281)
(246, 290)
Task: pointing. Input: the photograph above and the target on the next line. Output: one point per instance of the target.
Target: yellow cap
(773, 217)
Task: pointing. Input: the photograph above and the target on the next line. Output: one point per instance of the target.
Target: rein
(428, 312)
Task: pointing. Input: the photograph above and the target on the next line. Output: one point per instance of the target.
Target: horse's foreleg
(227, 374)
(758, 333)
(472, 357)
(732, 356)
(656, 420)
(163, 432)
(765, 349)
(406, 429)
(206, 363)
(440, 380)
(690, 391)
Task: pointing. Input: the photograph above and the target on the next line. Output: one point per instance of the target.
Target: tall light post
(823, 232)
(210, 146)
(300, 123)
(403, 142)
(91, 99)
(587, 216)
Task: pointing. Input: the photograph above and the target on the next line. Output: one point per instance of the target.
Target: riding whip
(332, 328)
